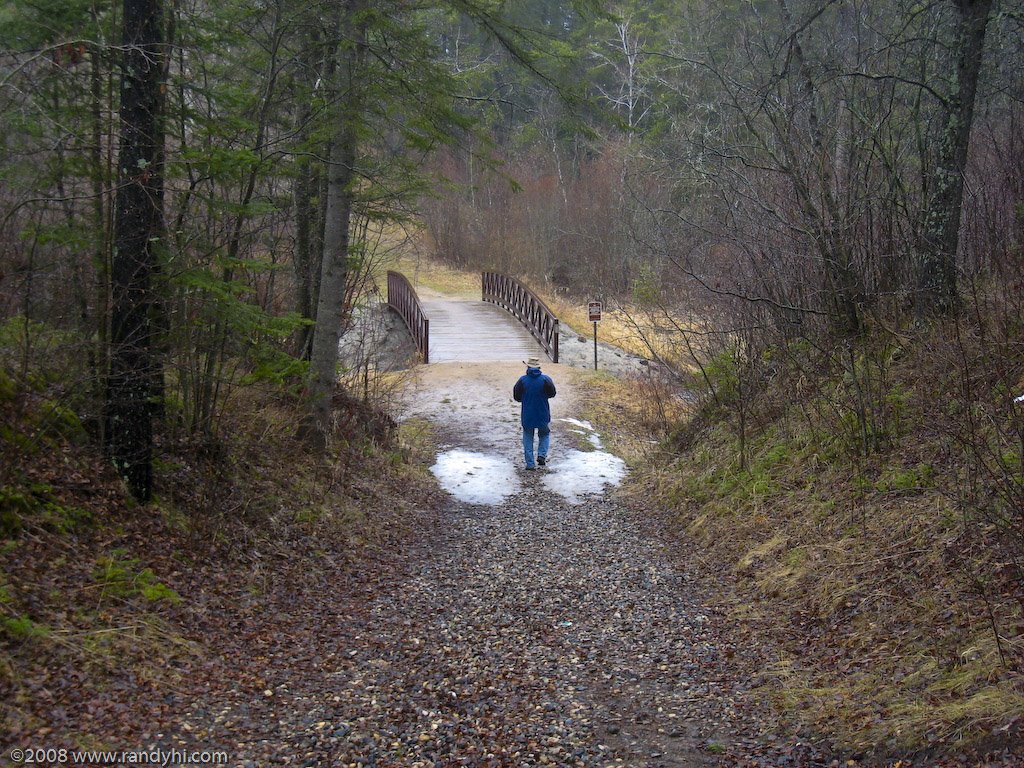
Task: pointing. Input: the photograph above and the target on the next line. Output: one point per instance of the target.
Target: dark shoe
(542, 460)
(529, 467)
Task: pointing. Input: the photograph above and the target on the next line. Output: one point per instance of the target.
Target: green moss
(118, 577)
(897, 403)
(777, 454)
(36, 505)
(22, 628)
(8, 389)
(66, 519)
(14, 506)
(308, 515)
(154, 590)
(58, 421)
(726, 484)
(909, 481)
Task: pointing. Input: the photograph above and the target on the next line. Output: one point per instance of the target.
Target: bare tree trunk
(936, 268)
(306, 261)
(129, 427)
(334, 267)
(101, 244)
(302, 197)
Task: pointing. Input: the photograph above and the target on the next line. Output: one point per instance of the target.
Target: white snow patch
(476, 478)
(579, 474)
(587, 430)
(576, 422)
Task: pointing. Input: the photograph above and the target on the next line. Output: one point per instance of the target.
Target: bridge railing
(533, 313)
(403, 299)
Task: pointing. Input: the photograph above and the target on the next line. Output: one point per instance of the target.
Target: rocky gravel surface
(532, 633)
(537, 633)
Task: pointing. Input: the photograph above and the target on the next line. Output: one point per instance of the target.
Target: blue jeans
(542, 446)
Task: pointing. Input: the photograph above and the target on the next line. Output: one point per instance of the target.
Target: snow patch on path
(476, 478)
(580, 474)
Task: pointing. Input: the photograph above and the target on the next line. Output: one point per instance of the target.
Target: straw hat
(533, 362)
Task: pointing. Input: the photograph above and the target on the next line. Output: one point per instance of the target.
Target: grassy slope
(106, 608)
(868, 577)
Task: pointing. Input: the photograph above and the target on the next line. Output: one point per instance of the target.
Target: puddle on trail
(482, 478)
(476, 478)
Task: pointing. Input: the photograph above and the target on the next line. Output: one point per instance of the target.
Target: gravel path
(537, 630)
(537, 633)
(542, 629)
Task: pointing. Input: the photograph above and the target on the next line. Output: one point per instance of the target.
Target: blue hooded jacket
(533, 390)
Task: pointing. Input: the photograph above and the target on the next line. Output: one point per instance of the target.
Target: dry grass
(849, 573)
(648, 334)
(437, 277)
(632, 414)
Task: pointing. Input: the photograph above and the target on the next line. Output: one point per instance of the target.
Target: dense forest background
(811, 212)
(776, 170)
(769, 171)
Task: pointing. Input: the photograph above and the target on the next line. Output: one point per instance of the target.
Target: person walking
(533, 390)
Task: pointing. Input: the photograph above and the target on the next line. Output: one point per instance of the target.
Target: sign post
(594, 312)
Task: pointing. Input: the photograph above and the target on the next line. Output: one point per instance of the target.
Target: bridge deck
(475, 331)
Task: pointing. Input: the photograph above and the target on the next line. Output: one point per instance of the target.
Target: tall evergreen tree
(138, 223)
(352, 50)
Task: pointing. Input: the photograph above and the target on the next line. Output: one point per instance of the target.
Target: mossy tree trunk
(937, 261)
(323, 375)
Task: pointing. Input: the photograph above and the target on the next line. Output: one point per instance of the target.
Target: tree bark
(937, 263)
(101, 231)
(302, 195)
(306, 266)
(341, 174)
(129, 427)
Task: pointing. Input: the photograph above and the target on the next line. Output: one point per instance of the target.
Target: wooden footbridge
(508, 323)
